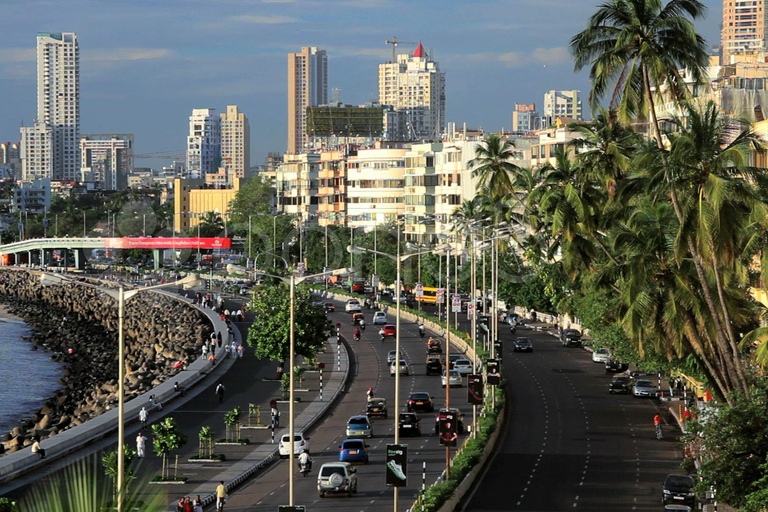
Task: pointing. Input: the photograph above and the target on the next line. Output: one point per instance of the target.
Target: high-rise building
(525, 118)
(235, 143)
(106, 160)
(562, 104)
(203, 143)
(49, 148)
(10, 157)
(414, 84)
(744, 29)
(307, 87)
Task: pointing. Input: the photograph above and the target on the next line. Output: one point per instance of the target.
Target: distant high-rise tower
(415, 85)
(744, 29)
(50, 148)
(307, 87)
(562, 104)
(235, 143)
(525, 118)
(203, 143)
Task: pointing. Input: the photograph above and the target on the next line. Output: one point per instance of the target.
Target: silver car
(359, 426)
(454, 379)
(337, 477)
(644, 388)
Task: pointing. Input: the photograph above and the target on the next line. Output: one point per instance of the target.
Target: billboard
(475, 389)
(493, 376)
(397, 465)
(167, 243)
(447, 428)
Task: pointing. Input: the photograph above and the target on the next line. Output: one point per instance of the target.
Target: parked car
(571, 338)
(337, 477)
(353, 450)
(353, 306)
(601, 355)
(454, 379)
(379, 318)
(463, 366)
(402, 368)
(391, 356)
(408, 424)
(434, 346)
(457, 413)
(620, 384)
(644, 388)
(300, 444)
(420, 401)
(522, 344)
(359, 426)
(434, 366)
(376, 407)
(679, 489)
(329, 307)
(614, 366)
(388, 331)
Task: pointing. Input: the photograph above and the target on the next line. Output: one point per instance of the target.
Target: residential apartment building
(307, 87)
(555, 138)
(744, 29)
(415, 85)
(106, 160)
(50, 148)
(332, 187)
(31, 196)
(565, 104)
(296, 183)
(525, 119)
(191, 201)
(235, 143)
(375, 186)
(203, 143)
(10, 157)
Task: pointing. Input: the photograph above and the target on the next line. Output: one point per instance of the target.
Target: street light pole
(447, 352)
(473, 328)
(290, 388)
(83, 223)
(249, 238)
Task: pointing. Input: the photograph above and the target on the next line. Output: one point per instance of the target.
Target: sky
(145, 64)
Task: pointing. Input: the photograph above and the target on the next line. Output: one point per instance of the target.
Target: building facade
(415, 85)
(375, 184)
(10, 157)
(296, 184)
(307, 87)
(192, 201)
(50, 148)
(203, 143)
(743, 30)
(235, 143)
(32, 196)
(562, 104)
(525, 119)
(106, 160)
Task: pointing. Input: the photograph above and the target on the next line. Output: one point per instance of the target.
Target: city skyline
(146, 82)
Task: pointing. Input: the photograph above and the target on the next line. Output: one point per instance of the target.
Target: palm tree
(492, 164)
(641, 45)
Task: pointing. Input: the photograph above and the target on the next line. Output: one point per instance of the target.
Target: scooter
(304, 469)
(422, 331)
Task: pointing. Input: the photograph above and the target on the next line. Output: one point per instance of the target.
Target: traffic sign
(440, 293)
(470, 311)
(455, 303)
(419, 290)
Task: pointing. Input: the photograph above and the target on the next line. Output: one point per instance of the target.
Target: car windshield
(644, 384)
(407, 418)
(295, 438)
(376, 403)
(328, 471)
(420, 396)
(358, 422)
(353, 445)
(679, 481)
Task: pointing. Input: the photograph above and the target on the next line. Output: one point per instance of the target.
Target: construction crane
(394, 42)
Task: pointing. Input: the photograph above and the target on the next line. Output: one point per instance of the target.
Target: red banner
(167, 243)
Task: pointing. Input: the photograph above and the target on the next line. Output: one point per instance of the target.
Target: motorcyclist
(382, 333)
(657, 424)
(422, 329)
(362, 324)
(357, 334)
(305, 462)
(369, 393)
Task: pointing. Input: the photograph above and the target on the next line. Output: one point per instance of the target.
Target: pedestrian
(37, 449)
(228, 349)
(240, 316)
(143, 416)
(220, 391)
(221, 495)
(205, 350)
(240, 350)
(180, 505)
(140, 444)
(212, 359)
(230, 333)
(179, 389)
(226, 313)
(213, 345)
(198, 507)
(187, 504)
(218, 338)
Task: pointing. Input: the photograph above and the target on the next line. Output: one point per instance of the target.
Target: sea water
(27, 377)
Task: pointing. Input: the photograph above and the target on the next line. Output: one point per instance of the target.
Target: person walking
(205, 351)
(141, 441)
(220, 391)
(221, 496)
(143, 414)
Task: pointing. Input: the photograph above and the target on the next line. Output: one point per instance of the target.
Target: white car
(454, 379)
(300, 444)
(601, 355)
(353, 306)
(403, 368)
(379, 318)
(391, 357)
(463, 366)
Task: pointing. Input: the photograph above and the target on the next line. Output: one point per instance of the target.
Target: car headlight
(666, 491)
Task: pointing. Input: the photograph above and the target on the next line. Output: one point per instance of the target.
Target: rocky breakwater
(79, 325)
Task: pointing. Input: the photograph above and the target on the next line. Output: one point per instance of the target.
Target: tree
(231, 420)
(492, 164)
(205, 438)
(109, 461)
(166, 439)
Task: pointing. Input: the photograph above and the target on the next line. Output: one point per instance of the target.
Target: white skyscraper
(50, 148)
(203, 143)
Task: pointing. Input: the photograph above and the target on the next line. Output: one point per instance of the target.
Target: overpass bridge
(40, 251)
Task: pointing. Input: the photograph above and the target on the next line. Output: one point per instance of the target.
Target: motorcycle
(305, 468)
(513, 329)
(362, 325)
(422, 331)
(382, 335)
(357, 336)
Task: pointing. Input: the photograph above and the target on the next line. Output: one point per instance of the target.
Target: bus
(429, 295)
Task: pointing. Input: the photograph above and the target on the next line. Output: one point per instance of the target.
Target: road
(568, 444)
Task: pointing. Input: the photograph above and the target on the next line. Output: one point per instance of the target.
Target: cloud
(265, 20)
(548, 56)
(557, 55)
(17, 55)
(122, 54)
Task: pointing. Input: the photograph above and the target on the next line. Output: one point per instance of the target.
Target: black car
(329, 307)
(420, 401)
(408, 424)
(679, 489)
(571, 338)
(614, 366)
(434, 366)
(523, 344)
(620, 384)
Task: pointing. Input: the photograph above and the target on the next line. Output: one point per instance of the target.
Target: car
(614, 366)
(434, 346)
(337, 477)
(402, 367)
(434, 366)
(601, 355)
(376, 407)
(359, 426)
(522, 344)
(408, 424)
(679, 489)
(420, 401)
(463, 366)
(620, 384)
(300, 444)
(391, 356)
(353, 450)
(379, 318)
(456, 412)
(454, 379)
(513, 319)
(388, 331)
(353, 306)
(644, 388)
(452, 358)
(571, 338)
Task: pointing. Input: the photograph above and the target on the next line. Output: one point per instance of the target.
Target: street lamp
(399, 258)
(121, 295)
